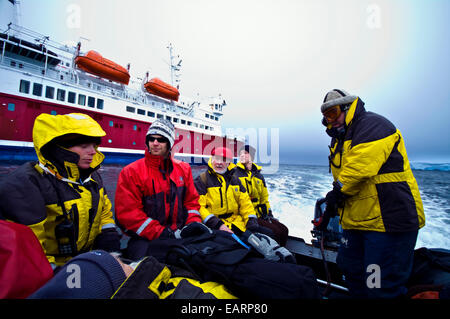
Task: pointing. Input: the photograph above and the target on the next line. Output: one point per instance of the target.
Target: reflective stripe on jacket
(372, 166)
(255, 185)
(151, 197)
(224, 197)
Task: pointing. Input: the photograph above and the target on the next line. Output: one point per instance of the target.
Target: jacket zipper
(221, 197)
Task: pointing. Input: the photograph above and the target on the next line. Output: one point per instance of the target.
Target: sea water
(294, 189)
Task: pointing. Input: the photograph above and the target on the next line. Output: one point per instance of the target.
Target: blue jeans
(376, 264)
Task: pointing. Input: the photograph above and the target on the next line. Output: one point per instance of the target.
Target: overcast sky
(273, 61)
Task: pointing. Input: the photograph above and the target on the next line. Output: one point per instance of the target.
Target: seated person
(224, 202)
(251, 178)
(155, 195)
(61, 197)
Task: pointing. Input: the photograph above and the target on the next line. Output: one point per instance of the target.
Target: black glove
(194, 229)
(108, 240)
(252, 224)
(167, 233)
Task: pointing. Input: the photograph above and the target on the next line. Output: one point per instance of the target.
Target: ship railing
(38, 38)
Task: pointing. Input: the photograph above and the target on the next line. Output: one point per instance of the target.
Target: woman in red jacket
(155, 195)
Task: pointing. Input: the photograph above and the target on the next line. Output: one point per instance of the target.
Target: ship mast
(175, 67)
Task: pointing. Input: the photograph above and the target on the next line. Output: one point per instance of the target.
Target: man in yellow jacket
(249, 173)
(224, 202)
(374, 193)
(61, 197)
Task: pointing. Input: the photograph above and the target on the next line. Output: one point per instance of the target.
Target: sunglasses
(159, 139)
(331, 114)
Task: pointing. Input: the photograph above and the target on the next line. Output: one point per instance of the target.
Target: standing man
(376, 196)
(252, 179)
(155, 195)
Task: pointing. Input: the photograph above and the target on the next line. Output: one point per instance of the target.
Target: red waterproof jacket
(24, 268)
(153, 194)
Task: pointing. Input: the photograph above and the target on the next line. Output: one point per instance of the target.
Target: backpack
(219, 257)
(430, 276)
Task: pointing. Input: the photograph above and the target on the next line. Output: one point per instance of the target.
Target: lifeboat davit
(160, 88)
(95, 64)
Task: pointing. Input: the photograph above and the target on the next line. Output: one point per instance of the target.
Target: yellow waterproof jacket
(371, 165)
(223, 199)
(34, 193)
(255, 185)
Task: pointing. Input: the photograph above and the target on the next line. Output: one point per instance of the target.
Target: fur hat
(164, 128)
(336, 97)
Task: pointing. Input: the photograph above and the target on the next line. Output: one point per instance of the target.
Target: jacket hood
(49, 127)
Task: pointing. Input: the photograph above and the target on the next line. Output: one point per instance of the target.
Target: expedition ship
(38, 75)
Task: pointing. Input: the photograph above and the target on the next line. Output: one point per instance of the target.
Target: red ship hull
(124, 136)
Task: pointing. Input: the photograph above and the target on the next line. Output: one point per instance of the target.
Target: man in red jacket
(155, 195)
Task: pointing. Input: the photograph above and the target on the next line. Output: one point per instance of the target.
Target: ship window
(71, 97)
(131, 109)
(81, 99)
(100, 104)
(111, 123)
(151, 114)
(24, 86)
(11, 107)
(91, 101)
(134, 127)
(207, 115)
(50, 92)
(216, 118)
(160, 116)
(109, 141)
(183, 121)
(195, 124)
(206, 127)
(53, 112)
(141, 111)
(37, 89)
(13, 63)
(189, 123)
(134, 143)
(168, 118)
(61, 95)
(202, 126)
(175, 120)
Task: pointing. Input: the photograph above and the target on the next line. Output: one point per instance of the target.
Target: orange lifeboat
(95, 64)
(160, 88)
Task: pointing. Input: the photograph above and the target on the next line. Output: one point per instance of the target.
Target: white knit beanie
(164, 128)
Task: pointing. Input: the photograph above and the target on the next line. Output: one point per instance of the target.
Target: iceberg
(431, 166)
